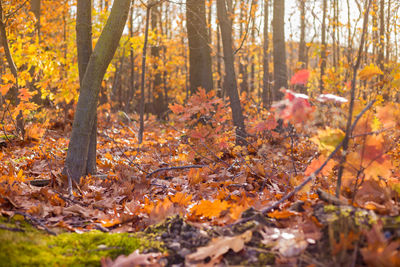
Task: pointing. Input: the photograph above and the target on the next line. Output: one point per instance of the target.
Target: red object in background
(300, 77)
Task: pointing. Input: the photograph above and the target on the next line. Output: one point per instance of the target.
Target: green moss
(241, 228)
(266, 259)
(35, 248)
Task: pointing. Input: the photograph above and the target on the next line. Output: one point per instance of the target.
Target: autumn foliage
(189, 163)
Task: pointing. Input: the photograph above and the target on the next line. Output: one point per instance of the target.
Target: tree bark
(280, 68)
(84, 48)
(131, 91)
(143, 76)
(4, 42)
(323, 47)
(85, 114)
(381, 53)
(266, 94)
(230, 84)
(302, 44)
(243, 78)
(158, 103)
(35, 8)
(199, 46)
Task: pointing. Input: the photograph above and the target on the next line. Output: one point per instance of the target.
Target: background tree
(85, 114)
(266, 93)
(159, 103)
(280, 68)
(35, 8)
(323, 46)
(230, 84)
(302, 42)
(84, 48)
(199, 46)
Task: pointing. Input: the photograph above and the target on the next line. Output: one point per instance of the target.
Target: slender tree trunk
(199, 46)
(266, 94)
(323, 46)
(280, 68)
(253, 45)
(219, 67)
(143, 81)
(244, 87)
(159, 103)
(230, 85)
(85, 114)
(381, 53)
(132, 65)
(334, 29)
(388, 28)
(35, 8)
(4, 42)
(302, 44)
(84, 48)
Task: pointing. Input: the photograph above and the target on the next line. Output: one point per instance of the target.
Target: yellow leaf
(369, 72)
(328, 139)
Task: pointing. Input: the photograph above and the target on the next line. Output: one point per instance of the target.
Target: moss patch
(35, 248)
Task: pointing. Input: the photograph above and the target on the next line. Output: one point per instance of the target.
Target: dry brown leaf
(134, 259)
(289, 242)
(218, 247)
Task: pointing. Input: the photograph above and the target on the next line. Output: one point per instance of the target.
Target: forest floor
(188, 196)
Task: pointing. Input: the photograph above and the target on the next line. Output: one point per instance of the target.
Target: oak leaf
(218, 247)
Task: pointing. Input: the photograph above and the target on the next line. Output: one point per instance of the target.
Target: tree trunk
(381, 53)
(199, 46)
(280, 68)
(230, 85)
(158, 103)
(266, 94)
(323, 47)
(243, 55)
(302, 44)
(4, 42)
(143, 76)
(84, 47)
(35, 8)
(131, 91)
(85, 115)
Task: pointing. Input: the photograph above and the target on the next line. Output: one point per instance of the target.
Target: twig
(329, 198)
(12, 229)
(35, 222)
(175, 168)
(352, 99)
(309, 178)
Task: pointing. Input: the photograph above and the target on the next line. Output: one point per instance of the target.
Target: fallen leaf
(134, 259)
(218, 247)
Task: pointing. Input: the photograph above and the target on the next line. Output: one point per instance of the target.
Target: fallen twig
(35, 222)
(175, 168)
(12, 229)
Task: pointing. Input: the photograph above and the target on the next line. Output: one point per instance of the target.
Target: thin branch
(352, 99)
(35, 222)
(175, 168)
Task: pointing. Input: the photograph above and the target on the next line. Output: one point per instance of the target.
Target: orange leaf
(5, 88)
(210, 209)
(181, 199)
(316, 163)
(176, 108)
(282, 214)
(24, 94)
